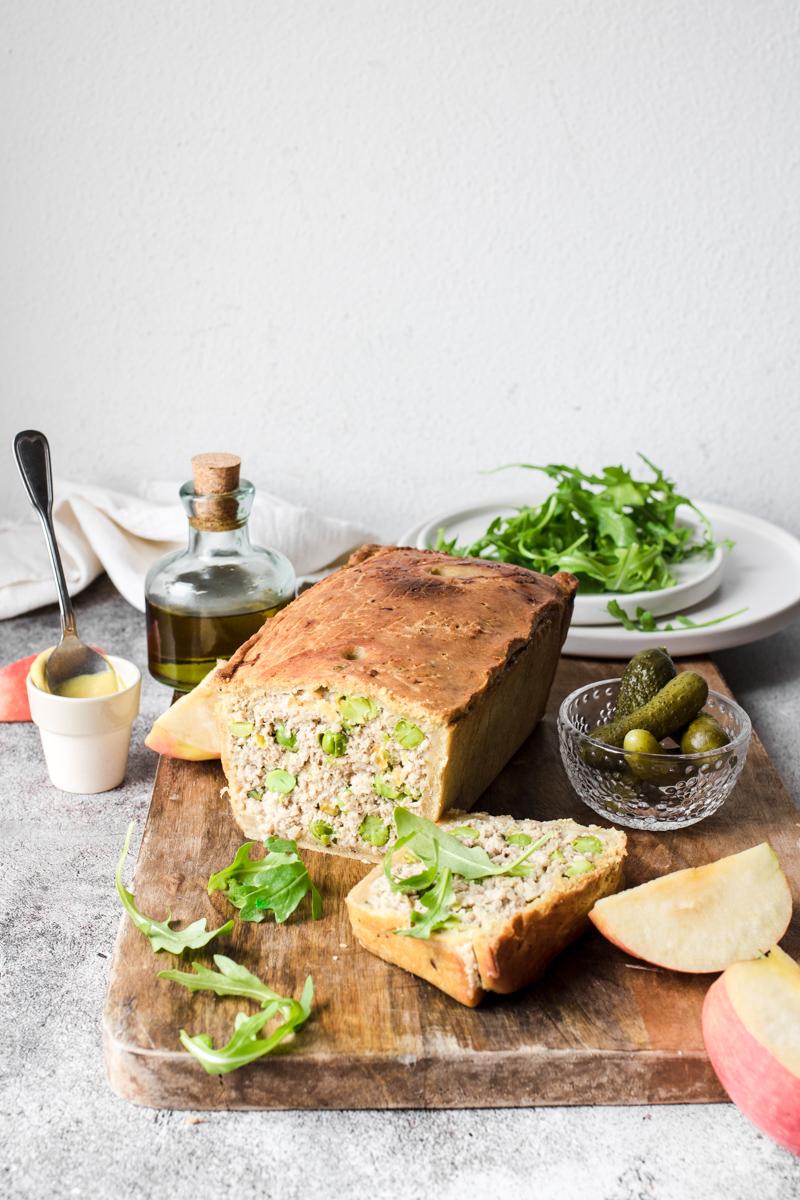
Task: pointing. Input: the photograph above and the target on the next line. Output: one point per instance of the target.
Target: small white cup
(86, 741)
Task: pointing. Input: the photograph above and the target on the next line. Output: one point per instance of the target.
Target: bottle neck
(219, 543)
(218, 520)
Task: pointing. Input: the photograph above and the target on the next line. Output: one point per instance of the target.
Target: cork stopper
(215, 478)
(215, 473)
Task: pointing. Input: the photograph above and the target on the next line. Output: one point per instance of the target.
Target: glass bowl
(648, 791)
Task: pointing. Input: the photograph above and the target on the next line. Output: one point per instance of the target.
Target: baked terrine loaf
(407, 676)
(505, 929)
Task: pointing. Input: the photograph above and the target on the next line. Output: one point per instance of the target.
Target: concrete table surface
(63, 1133)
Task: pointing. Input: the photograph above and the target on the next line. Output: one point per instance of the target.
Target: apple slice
(13, 692)
(751, 1028)
(188, 729)
(703, 918)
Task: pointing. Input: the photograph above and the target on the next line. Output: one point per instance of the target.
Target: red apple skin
(13, 693)
(757, 1083)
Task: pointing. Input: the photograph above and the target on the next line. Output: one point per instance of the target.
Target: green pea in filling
(280, 781)
(333, 744)
(373, 830)
(357, 710)
(322, 831)
(580, 867)
(587, 843)
(517, 839)
(241, 729)
(407, 734)
(284, 738)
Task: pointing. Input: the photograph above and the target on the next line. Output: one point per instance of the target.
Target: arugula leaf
(434, 845)
(430, 843)
(277, 883)
(645, 622)
(615, 609)
(277, 845)
(245, 1046)
(243, 867)
(688, 623)
(231, 979)
(280, 893)
(437, 902)
(410, 883)
(615, 532)
(159, 934)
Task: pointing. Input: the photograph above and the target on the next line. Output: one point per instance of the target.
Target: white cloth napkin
(100, 530)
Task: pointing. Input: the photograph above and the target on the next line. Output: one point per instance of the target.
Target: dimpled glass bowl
(648, 791)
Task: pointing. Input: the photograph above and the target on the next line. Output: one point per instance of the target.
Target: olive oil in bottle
(203, 602)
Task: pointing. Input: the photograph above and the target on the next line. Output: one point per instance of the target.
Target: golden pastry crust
(425, 630)
(447, 960)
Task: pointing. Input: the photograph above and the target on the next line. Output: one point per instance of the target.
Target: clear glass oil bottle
(203, 602)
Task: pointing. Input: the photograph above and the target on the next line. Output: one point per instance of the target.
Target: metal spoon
(71, 657)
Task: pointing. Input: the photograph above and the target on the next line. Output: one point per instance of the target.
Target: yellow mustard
(82, 687)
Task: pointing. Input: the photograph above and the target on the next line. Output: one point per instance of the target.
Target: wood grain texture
(599, 1028)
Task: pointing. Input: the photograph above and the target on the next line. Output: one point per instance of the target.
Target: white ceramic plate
(761, 576)
(697, 578)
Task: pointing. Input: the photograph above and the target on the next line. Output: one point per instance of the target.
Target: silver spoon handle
(32, 452)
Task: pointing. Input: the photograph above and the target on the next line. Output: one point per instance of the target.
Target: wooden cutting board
(600, 1028)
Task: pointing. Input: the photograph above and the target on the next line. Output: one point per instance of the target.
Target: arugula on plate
(440, 855)
(615, 532)
(159, 934)
(245, 1046)
(276, 883)
(645, 622)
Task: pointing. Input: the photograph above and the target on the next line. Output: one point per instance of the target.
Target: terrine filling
(328, 767)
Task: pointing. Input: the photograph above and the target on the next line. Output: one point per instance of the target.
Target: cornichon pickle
(639, 745)
(645, 676)
(703, 733)
(641, 741)
(678, 702)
